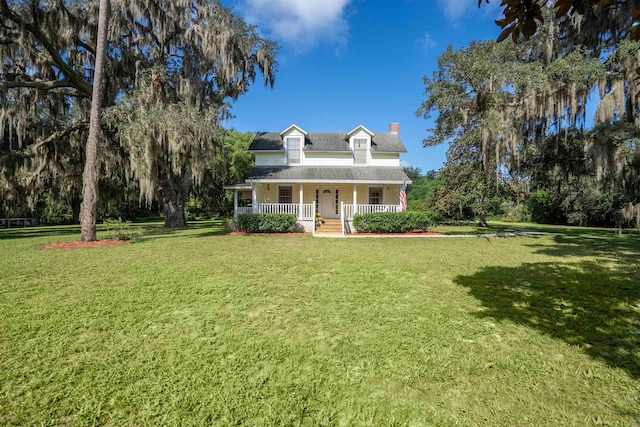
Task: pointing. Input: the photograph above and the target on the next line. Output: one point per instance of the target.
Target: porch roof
(336, 174)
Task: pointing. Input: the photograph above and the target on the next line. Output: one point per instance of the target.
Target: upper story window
(360, 151)
(294, 155)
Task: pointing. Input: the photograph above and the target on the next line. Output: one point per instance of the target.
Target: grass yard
(192, 327)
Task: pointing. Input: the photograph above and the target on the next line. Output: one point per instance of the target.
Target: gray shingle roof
(327, 141)
(383, 142)
(384, 174)
(387, 142)
(267, 141)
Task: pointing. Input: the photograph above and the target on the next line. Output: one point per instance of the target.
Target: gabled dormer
(293, 139)
(360, 142)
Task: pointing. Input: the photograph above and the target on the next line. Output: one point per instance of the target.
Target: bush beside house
(267, 223)
(395, 222)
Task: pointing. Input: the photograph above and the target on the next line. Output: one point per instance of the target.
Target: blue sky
(348, 62)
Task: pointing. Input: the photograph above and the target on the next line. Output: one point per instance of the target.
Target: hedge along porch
(336, 175)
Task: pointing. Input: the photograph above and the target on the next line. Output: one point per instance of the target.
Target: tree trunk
(174, 216)
(482, 220)
(90, 176)
(173, 198)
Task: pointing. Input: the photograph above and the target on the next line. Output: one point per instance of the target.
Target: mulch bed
(79, 244)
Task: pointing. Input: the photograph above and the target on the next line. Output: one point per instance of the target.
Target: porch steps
(330, 226)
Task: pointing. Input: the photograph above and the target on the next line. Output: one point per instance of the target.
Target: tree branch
(85, 46)
(73, 18)
(37, 84)
(60, 134)
(74, 78)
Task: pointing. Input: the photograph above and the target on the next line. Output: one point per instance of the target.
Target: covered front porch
(311, 202)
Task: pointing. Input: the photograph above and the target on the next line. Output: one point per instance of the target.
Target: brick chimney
(394, 128)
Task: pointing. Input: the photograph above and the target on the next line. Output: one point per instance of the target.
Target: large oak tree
(47, 71)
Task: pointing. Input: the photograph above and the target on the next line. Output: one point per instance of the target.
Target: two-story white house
(334, 174)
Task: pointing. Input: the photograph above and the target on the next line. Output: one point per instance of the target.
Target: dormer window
(360, 141)
(360, 151)
(293, 147)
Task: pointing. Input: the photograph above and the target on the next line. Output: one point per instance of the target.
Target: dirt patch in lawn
(80, 244)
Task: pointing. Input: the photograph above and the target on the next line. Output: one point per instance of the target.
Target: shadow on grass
(39, 231)
(474, 229)
(193, 229)
(585, 304)
(623, 250)
(153, 230)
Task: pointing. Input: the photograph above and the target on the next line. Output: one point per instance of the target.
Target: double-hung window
(375, 195)
(360, 151)
(285, 194)
(293, 150)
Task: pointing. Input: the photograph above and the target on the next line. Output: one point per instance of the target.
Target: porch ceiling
(337, 174)
(238, 187)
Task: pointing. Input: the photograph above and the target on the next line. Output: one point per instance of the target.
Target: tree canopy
(209, 55)
(497, 107)
(593, 23)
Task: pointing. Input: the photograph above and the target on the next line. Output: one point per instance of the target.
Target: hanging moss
(46, 77)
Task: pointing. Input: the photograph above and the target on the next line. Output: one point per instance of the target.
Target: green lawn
(192, 327)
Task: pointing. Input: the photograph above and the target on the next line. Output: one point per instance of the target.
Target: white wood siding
(359, 135)
(385, 159)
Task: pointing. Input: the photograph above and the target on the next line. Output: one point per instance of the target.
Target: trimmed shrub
(267, 223)
(229, 225)
(395, 222)
(121, 230)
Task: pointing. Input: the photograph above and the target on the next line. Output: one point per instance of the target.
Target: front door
(328, 202)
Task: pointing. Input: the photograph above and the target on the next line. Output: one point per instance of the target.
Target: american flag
(403, 196)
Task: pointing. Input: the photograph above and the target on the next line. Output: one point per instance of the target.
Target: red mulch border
(80, 244)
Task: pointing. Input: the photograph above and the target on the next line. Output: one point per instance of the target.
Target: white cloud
(300, 23)
(427, 41)
(455, 10)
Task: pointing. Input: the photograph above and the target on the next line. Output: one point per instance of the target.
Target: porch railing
(308, 209)
(365, 209)
(243, 210)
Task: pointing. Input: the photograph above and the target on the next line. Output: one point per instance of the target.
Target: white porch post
(300, 208)
(313, 210)
(235, 204)
(355, 199)
(254, 199)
